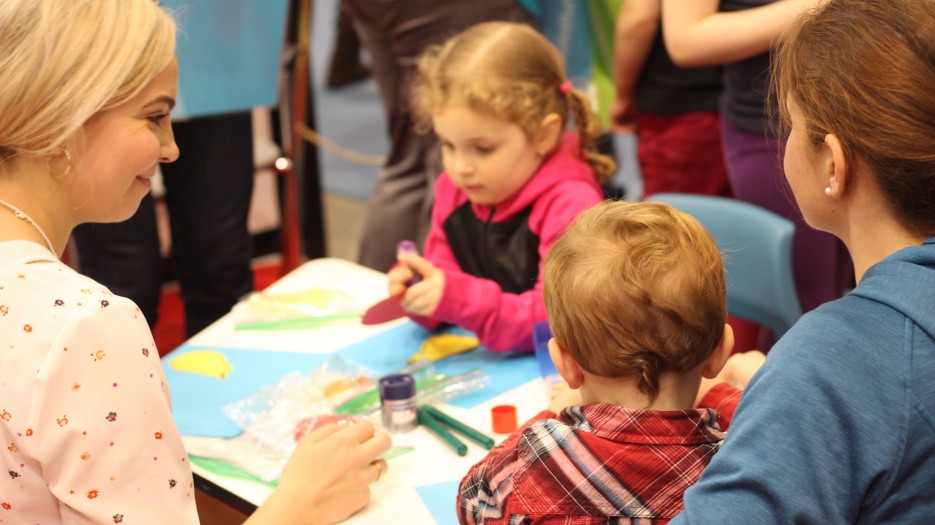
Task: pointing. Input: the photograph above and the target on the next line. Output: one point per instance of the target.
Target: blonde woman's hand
(422, 298)
(328, 476)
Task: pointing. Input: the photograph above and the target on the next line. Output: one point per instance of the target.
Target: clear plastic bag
(309, 308)
(274, 417)
(277, 415)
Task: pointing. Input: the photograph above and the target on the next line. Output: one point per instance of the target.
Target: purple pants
(820, 263)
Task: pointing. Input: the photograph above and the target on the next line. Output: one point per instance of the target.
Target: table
(417, 484)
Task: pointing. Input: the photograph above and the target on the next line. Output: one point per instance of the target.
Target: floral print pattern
(80, 404)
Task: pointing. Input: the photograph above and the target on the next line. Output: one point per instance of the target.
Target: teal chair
(757, 249)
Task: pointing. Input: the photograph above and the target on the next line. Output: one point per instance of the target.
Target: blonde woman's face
(116, 156)
(489, 158)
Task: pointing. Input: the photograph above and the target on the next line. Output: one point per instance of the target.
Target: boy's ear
(715, 362)
(566, 365)
(548, 134)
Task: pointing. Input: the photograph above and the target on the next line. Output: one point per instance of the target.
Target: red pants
(682, 153)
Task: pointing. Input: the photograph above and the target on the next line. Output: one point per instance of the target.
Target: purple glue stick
(409, 247)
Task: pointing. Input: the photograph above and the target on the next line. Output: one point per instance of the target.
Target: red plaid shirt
(595, 464)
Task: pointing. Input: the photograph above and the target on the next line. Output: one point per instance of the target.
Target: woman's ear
(547, 136)
(566, 365)
(837, 174)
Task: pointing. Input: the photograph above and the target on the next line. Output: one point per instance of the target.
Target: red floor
(169, 332)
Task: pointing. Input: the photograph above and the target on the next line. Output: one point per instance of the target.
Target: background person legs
(208, 191)
(125, 257)
(820, 267)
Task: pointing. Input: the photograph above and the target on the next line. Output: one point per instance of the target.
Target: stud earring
(828, 190)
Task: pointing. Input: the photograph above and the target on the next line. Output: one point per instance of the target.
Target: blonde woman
(88, 437)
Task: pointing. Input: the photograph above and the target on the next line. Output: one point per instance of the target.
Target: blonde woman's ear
(548, 134)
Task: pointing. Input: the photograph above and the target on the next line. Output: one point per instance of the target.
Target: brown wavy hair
(865, 72)
(510, 71)
(636, 289)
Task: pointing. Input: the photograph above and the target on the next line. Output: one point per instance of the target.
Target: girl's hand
(421, 298)
(398, 279)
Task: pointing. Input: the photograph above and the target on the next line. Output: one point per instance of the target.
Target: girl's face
(115, 157)
(802, 164)
(489, 158)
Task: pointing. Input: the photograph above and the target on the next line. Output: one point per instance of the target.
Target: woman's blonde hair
(635, 290)
(62, 61)
(865, 71)
(510, 71)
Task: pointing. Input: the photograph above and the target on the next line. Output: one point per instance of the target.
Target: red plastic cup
(504, 419)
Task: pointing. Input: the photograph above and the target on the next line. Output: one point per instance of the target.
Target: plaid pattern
(593, 464)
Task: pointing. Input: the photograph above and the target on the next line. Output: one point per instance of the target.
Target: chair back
(756, 245)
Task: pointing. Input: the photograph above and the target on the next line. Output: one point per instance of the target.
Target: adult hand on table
(328, 477)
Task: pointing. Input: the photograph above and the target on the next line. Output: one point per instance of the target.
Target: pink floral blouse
(86, 430)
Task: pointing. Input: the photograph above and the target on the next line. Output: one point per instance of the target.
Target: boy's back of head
(635, 290)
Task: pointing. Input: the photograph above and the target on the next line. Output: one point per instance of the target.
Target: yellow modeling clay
(205, 362)
(441, 346)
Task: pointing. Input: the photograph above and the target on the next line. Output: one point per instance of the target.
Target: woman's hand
(421, 298)
(740, 367)
(327, 477)
(565, 397)
(737, 372)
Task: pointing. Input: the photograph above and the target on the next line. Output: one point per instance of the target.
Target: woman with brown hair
(837, 427)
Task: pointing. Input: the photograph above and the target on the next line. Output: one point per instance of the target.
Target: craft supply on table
(312, 307)
(430, 388)
(460, 427)
(504, 419)
(390, 308)
(435, 427)
(438, 347)
(387, 310)
(398, 398)
(541, 333)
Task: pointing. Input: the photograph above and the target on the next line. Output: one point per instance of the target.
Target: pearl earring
(828, 190)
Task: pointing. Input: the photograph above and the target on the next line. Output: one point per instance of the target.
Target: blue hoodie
(839, 424)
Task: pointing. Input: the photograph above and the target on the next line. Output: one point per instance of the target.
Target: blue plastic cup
(541, 333)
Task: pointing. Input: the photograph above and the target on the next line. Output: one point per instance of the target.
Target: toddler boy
(637, 305)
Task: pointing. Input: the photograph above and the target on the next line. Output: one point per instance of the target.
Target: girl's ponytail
(589, 128)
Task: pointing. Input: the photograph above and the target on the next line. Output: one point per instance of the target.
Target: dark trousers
(820, 263)
(208, 191)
